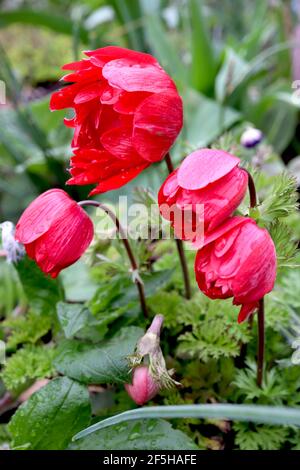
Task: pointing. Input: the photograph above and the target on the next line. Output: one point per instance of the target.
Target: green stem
(179, 244)
(123, 237)
(261, 342)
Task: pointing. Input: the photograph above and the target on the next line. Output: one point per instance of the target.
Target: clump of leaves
(26, 365)
(215, 331)
(259, 437)
(26, 329)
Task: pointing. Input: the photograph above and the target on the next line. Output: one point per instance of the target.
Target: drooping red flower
(143, 387)
(202, 193)
(238, 260)
(127, 115)
(55, 231)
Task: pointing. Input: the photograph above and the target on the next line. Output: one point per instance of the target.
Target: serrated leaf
(51, 416)
(104, 363)
(155, 434)
(41, 291)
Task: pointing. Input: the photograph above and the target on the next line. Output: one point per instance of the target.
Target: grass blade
(253, 413)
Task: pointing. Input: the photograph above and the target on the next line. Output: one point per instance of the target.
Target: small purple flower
(251, 137)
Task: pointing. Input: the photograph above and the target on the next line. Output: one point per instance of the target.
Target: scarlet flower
(202, 193)
(143, 387)
(55, 231)
(127, 115)
(237, 260)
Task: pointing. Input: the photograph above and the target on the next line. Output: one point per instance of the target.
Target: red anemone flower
(127, 115)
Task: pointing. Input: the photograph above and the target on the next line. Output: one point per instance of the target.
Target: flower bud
(251, 137)
(55, 231)
(143, 387)
(238, 260)
(202, 193)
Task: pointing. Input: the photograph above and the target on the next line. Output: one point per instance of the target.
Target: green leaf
(26, 365)
(203, 67)
(163, 49)
(59, 24)
(104, 363)
(77, 321)
(42, 292)
(26, 329)
(51, 416)
(205, 120)
(233, 69)
(251, 413)
(260, 437)
(141, 435)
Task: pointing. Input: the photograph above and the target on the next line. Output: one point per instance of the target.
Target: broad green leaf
(253, 413)
(155, 434)
(203, 67)
(78, 283)
(129, 14)
(205, 120)
(104, 363)
(231, 74)
(77, 321)
(39, 18)
(51, 416)
(163, 49)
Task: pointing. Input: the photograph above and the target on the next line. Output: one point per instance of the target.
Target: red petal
(105, 54)
(41, 214)
(118, 141)
(224, 228)
(246, 311)
(137, 76)
(63, 98)
(128, 102)
(89, 92)
(118, 180)
(205, 166)
(65, 241)
(157, 123)
(79, 65)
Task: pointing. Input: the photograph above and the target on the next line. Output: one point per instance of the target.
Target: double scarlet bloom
(236, 258)
(55, 231)
(127, 115)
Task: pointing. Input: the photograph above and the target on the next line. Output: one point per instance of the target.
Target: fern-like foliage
(26, 365)
(273, 390)
(215, 331)
(281, 200)
(285, 243)
(259, 437)
(26, 329)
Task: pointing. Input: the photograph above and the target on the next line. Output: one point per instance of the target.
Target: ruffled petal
(157, 123)
(137, 76)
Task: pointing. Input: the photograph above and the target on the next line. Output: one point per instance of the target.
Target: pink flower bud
(143, 387)
(202, 193)
(238, 260)
(55, 231)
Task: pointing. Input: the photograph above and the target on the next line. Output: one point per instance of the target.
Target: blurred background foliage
(231, 69)
(236, 63)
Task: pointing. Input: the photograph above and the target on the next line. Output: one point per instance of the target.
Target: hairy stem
(179, 244)
(123, 237)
